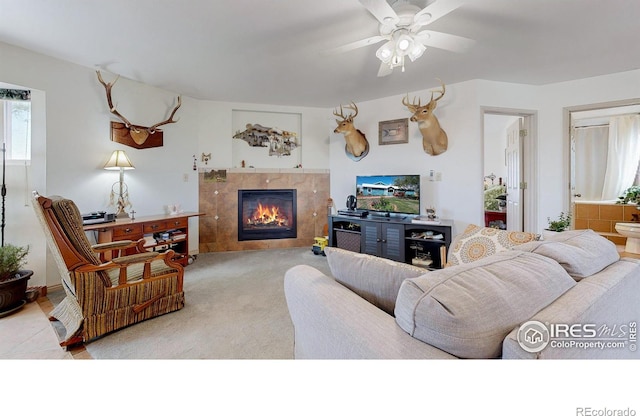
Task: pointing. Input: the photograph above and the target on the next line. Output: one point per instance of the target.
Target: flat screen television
(389, 194)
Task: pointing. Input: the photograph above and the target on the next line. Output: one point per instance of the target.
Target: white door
(515, 187)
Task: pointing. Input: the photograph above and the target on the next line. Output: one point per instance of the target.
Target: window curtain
(591, 157)
(16, 95)
(623, 155)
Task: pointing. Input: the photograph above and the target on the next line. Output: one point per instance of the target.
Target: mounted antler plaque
(129, 134)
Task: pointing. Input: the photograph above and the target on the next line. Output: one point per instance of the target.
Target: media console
(395, 238)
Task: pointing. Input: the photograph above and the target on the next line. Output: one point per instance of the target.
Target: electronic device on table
(97, 217)
(389, 195)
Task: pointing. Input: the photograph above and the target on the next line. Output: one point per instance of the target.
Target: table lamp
(120, 161)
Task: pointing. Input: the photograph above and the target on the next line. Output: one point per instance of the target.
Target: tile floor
(28, 334)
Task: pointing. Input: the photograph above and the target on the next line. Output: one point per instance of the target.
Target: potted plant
(562, 223)
(13, 279)
(631, 194)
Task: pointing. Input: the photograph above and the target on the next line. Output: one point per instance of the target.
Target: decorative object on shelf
(130, 134)
(562, 223)
(420, 259)
(205, 158)
(216, 175)
(434, 138)
(195, 166)
(120, 161)
(431, 213)
(279, 142)
(631, 195)
(357, 146)
(393, 131)
(174, 209)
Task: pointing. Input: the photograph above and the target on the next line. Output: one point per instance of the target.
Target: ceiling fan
(401, 27)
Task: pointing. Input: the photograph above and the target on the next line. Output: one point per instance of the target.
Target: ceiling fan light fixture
(385, 52)
(404, 43)
(417, 51)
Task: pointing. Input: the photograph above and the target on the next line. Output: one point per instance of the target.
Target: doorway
(587, 132)
(508, 183)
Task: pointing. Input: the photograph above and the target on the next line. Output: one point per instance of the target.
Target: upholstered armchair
(103, 296)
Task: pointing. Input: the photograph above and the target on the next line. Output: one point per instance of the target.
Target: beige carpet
(235, 308)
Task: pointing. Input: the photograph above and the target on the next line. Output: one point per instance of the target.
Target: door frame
(566, 128)
(528, 160)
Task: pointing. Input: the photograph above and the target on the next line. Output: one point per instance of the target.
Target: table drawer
(177, 223)
(131, 231)
(154, 227)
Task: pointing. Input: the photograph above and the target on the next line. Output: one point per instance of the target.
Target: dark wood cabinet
(393, 238)
(383, 240)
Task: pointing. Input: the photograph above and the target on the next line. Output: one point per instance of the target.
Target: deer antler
(152, 129)
(138, 135)
(351, 106)
(441, 92)
(112, 108)
(413, 106)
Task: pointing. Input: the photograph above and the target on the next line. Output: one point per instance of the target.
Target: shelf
(391, 238)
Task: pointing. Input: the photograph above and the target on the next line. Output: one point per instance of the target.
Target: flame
(267, 215)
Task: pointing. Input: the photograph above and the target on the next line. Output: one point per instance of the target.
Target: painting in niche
(252, 147)
(279, 142)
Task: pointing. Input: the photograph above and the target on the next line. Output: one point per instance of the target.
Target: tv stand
(392, 237)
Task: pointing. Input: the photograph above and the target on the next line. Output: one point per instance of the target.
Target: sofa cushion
(581, 252)
(375, 279)
(468, 310)
(478, 242)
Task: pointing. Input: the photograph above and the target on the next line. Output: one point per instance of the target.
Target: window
(15, 125)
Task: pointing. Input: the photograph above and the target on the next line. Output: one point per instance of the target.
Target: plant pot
(12, 292)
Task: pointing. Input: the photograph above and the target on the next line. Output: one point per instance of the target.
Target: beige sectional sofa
(569, 296)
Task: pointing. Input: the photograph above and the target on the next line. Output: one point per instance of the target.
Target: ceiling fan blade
(445, 41)
(355, 45)
(381, 10)
(384, 70)
(435, 11)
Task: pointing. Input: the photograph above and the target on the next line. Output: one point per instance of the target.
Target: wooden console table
(161, 232)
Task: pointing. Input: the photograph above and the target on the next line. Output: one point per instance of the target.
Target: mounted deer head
(434, 139)
(139, 134)
(356, 145)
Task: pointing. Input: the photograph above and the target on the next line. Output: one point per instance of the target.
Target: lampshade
(119, 160)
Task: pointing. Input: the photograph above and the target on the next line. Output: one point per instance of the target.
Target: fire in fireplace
(265, 214)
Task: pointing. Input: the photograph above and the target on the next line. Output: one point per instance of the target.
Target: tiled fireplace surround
(219, 201)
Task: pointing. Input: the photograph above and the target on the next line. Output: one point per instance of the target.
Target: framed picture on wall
(393, 131)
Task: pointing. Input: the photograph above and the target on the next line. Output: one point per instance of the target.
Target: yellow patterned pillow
(478, 242)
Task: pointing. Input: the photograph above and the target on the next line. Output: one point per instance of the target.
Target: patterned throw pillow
(479, 242)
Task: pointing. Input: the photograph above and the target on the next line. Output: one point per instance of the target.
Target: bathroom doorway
(589, 133)
(509, 143)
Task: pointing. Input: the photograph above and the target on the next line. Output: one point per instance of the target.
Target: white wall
(459, 195)
(75, 141)
(216, 132)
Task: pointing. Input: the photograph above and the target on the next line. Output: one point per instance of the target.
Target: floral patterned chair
(104, 296)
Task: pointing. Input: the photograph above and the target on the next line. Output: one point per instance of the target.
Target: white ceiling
(273, 52)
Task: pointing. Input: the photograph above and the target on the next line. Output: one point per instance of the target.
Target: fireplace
(266, 214)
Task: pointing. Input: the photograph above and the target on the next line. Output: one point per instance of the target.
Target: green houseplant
(562, 223)
(631, 194)
(13, 280)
